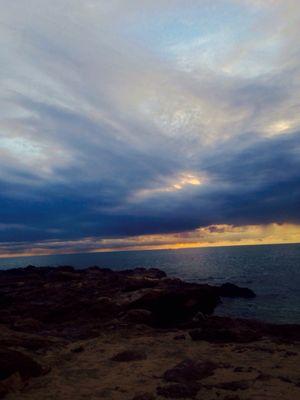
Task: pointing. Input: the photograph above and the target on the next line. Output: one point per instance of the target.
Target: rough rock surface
(189, 371)
(67, 302)
(62, 326)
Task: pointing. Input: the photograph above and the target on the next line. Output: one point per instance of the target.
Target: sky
(145, 124)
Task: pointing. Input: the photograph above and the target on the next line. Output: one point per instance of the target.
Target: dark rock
(263, 377)
(5, 300)
(239, 369)
(284, 332)
(77, 304)
(178, 391)
(285, 379)
(171, 306)
(235, 385)
(225, 365)
(189, 371)
(152, 273)
(129, 355)
(138, 316)
(78, 349)
(27, 324)
(290, 353)
(14, 361)
(224, 330)
(28, 343)
(231, 290)
(213, 335)
(179, 337)
(63, 275)
(144, 396)
(103, 307)
(133, 284)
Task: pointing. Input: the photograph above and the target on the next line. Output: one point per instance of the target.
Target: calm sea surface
(273, 272)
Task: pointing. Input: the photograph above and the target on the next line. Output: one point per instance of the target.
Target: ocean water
(272, 271)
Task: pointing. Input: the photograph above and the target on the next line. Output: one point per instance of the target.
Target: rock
(224, 335)
(14, 361)
(235, 385)
(263, 377)
(290, 353)
(138, 316)
(78, 349)
(189, 371)
(12, 384)
(77, 304)
(179, 337)
(144, 396)
(103, 307)
(63, 275)
(178, 391)
(213, 335)
(27, 324)
(225, 330)
(171, 306)
(284, 332)
(239, 369)
(5, 300)
(152, 273)
(134, 284)
(129, 355)
(231, 290)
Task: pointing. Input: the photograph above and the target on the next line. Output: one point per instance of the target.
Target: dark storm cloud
(104, 137)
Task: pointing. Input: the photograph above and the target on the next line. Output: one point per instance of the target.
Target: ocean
(272, 271)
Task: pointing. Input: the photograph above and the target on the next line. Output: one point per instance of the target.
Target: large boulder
(171, 306)
(231, 290)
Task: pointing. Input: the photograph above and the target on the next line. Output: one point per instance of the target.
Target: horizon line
(24, 255)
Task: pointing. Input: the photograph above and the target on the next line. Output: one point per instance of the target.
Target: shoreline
(96, 333)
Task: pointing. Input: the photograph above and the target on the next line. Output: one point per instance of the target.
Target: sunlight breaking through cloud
(125, 120)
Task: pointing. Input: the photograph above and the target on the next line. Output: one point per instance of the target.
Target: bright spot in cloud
(279, 127)
(180, 182)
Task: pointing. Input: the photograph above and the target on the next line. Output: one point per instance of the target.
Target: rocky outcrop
(75, 303)
(231, 290)
(41, 308)
(171, 304)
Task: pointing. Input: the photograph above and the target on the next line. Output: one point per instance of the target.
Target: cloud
(215, 235)
(124, 120)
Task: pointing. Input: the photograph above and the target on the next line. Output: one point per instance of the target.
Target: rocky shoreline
(67, 333)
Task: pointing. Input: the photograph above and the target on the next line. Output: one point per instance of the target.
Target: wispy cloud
(121, 119)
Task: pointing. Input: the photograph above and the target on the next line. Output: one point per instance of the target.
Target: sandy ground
(263, 369)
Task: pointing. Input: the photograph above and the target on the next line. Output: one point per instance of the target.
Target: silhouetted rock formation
(231, 290)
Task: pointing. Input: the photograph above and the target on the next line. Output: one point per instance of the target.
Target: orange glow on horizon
(211, 236)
